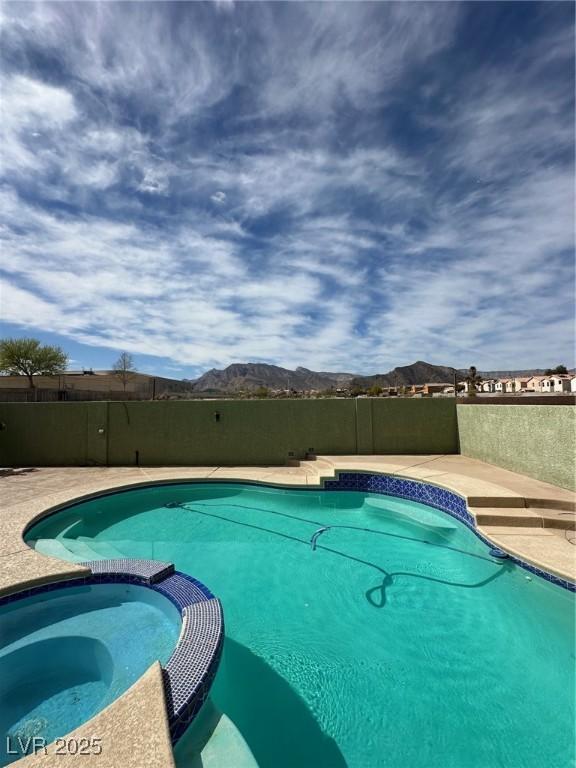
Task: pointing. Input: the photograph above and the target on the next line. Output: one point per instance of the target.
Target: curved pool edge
(188, 674)
(448, 501)
(431, 492)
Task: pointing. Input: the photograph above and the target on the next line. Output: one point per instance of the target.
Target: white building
(488, 386)
(559, 382)
(562, 382)
(466, 386)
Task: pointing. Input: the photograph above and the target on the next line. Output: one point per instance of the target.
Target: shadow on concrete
(16, 471)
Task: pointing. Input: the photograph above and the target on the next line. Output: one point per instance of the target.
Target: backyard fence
(537, 440)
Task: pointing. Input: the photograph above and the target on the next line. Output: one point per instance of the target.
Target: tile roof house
(535, 383)
(559, 382)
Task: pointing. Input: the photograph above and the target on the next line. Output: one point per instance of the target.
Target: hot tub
(67, 653)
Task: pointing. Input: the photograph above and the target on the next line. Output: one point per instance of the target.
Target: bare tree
(124, 368)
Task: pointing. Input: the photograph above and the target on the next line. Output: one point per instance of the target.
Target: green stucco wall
(536, 440)
(426, 425)
(247, 432)
(43, 434)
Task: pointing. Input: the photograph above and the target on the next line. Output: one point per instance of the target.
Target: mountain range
(247, 376)
(250, 376)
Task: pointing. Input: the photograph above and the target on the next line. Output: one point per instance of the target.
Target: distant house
(559, 382)
(562, 382)
(501, 385)
(434, 387)
(534, 383)
(573, 384)
(488, 386)
(516, 385)
(521, 384)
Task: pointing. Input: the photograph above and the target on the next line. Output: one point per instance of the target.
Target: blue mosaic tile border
(433, 496)
(150, 571)
(183, 590)
(49, 587)
(190, 671)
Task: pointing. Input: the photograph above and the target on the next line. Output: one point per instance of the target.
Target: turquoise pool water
(68, 653)
(399, 647)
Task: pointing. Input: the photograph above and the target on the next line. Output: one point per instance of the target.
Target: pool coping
(189, 672)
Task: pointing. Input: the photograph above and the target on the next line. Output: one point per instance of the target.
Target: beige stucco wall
(94, 383)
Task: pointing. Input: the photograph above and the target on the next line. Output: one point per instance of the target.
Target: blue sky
(343, 186)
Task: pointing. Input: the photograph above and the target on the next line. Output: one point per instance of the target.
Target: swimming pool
(397, 641)
(67, 653)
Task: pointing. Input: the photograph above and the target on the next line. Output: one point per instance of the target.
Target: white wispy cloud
(212, 184)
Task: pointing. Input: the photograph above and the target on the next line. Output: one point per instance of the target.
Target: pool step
(563, 504)
(525, 517)
(81, 549)
(102, 548)
(557, 518)
(145, 550)
(55, 548)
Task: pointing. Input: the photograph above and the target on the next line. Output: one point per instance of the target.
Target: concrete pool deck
(528, 518)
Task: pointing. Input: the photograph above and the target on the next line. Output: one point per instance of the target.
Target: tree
(558, 369)
(28, 357)
(261, 392)
(375, 391)
(124, 368)
(473, 379)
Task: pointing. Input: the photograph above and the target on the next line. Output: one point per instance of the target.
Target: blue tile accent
(149, 571)
(433, 496)
(183, 590)
(32, 591)
(190, 671)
